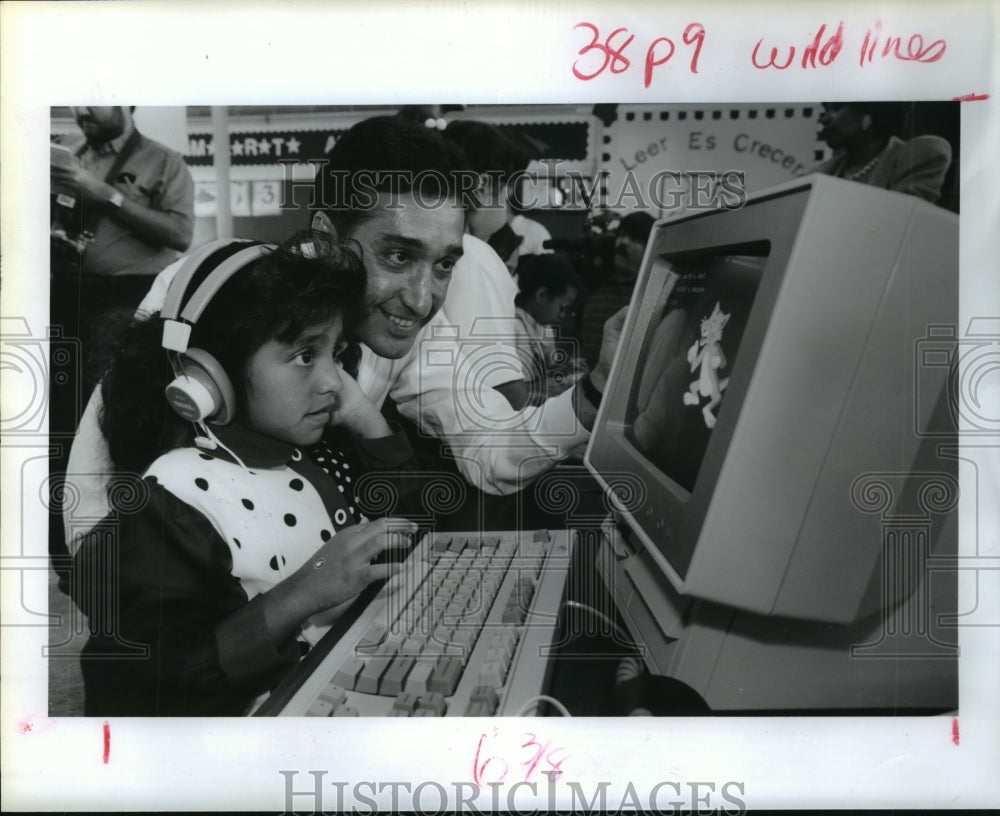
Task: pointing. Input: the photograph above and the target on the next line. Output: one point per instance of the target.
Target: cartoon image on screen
(707, 358)
(688, 353)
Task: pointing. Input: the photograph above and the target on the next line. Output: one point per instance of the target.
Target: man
(497, 449)
(124, 204)
(415, 336)
(615, 292)
(122, 210)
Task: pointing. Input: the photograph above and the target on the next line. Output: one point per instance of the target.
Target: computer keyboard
(465, 632)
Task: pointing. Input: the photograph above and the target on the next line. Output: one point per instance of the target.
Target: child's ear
(321, 223)
(541, 295)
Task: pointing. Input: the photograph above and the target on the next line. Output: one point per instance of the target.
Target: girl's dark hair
(301, 284)
(550, 272)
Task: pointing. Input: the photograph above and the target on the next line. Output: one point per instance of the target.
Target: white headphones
(201, 390)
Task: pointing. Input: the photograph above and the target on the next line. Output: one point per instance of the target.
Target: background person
(615, 291)
(867, 149)
(546, 303)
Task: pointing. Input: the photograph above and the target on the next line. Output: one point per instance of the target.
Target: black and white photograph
(648, 409)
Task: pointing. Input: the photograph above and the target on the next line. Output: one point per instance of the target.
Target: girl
(207, 589)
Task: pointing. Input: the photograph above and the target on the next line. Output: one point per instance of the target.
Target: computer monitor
(796, 451)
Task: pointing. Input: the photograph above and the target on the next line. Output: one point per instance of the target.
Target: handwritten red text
(530, 758)
(826, 45)
(599, 55)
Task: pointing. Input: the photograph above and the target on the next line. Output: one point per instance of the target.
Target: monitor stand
(901, 660)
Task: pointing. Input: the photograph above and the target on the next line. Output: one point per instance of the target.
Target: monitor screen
(691, 345)
(766, 365)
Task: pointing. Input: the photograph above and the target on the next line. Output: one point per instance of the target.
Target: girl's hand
(343, 566)
(356, 413)
(336, 573)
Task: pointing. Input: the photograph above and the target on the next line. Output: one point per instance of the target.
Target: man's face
(409, 253)
(100, 124)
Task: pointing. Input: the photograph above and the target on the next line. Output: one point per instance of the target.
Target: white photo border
(183, 53)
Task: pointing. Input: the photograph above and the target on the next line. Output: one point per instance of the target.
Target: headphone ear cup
(203, 390)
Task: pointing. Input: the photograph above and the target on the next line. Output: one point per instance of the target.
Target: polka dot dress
(273, 519)
(337, 466)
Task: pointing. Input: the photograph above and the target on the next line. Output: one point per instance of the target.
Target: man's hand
(609, 345)
(169, 229)
(91, 189)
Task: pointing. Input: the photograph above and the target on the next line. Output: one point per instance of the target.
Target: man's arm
(169, 228)
(497, 449)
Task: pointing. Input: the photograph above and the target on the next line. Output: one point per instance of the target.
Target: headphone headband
(177, 329)
(188, 266)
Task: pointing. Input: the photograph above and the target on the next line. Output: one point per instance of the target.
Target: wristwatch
(116, 200)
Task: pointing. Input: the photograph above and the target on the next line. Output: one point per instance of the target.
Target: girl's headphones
(201, 390)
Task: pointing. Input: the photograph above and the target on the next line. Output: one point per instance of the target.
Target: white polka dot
(337, 474)
(346, 466)
(347, 479)
(340, 488)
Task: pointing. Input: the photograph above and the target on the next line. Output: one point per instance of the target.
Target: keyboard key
(496, 655)
(485, 694)
(447, 673)
(371, 674)
(406, 702)
(412, 646)
(334, 695)
(320, 708)
(418, 680)
(346, 711)
(513, 613)
(479, 709)
(466, 639)
(392, 680)
(491, 674)
(442, 543)
(432, 702)
(347, 674)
